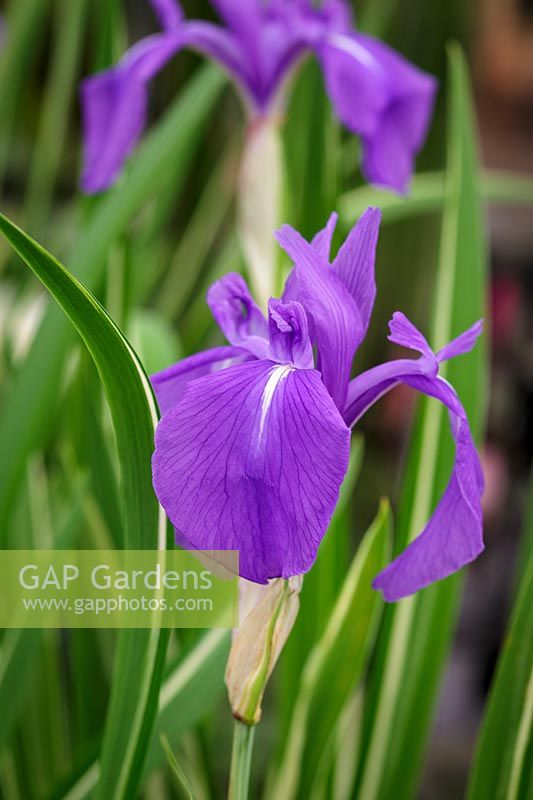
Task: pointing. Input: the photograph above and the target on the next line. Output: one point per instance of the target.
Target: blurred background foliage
(148, 250)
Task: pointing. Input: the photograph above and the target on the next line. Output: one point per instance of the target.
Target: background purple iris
(376, 93)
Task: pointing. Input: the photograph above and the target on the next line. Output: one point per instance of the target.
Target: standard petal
(383, 98)
(453, 536)
(237, 314)
(355, 263)
(289, 334)
(462, 344)
(336, 325)
(170, 384)
(322, 240)
(404, 333)
(169, 12)
(244, 17)
(252, 459)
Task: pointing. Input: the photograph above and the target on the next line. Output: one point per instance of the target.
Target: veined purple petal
(252, 459)
(453, 536)
(337, 327)
(355, 263)
(169, 385)
(238, 316)
(383, 98)
(322, 240)
(169, 12)
(404, 333)
(368, 387)
(289, 334)
(462, 344)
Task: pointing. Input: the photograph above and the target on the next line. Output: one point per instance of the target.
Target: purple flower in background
(254, 441)
(376, 93)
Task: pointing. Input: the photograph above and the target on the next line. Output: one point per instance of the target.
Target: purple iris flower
(254, 441)
(376, 93)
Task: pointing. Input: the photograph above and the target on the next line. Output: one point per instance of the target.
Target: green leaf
(188, 692)
(182, 781)
(503, 767)
(27, 411)
(427, 195)
(335, 665)
(416, 632)
(140, 653)
(20, 649)
(313, 166)
(154, 340)
(376, 17)
(176, 289)
(26, 33)
(49, 145)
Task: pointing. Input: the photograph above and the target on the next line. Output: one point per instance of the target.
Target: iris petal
(453, 537)
(337, 328)
(454, 534)
(322, 241)
(404, 333)
(462, 344)
(383, 98)
(289, 334)
(252, 459)
(355, 263)
(169, 12)
(237, 314)
(170, 384)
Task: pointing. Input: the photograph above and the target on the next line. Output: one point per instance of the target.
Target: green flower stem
(241, 760)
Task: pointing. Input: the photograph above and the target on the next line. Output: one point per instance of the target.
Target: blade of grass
(376, 17)
(182, 782)
(140, 653)
(188, 692)
(313, 169)
(48, 701)
(194, 247)
(155, 340)
(25, 21)
(502, 766)
(335, 665)
(27, 411)
(19, 650)
(108, 37)
(55, 112)
(416, 632)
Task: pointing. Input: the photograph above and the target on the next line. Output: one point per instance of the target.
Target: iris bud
(268, 614)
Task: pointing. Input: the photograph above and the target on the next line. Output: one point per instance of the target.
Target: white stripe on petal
(276, 376)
